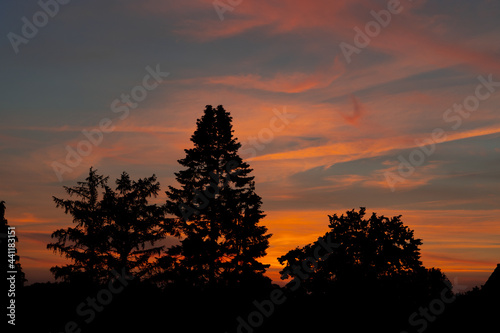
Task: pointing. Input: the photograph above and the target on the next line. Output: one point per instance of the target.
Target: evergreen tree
(216, 209)
(85, 244)
(133, 225)
(115, 229)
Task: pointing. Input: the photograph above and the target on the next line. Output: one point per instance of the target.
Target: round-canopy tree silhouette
(366, 272)
(377, 252)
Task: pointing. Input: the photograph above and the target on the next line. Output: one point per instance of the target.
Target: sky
(388, 105)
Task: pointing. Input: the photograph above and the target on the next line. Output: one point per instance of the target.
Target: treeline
(365, 273)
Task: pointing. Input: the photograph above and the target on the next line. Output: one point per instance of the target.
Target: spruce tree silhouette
(115, 229)
(86, 243)
(216, 210)
(133, 225)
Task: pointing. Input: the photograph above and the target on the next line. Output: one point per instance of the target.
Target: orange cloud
(289, 83)
(30, 218)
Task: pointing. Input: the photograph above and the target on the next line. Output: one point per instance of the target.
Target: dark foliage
(362, 275)
(217, 211)
(114, 229)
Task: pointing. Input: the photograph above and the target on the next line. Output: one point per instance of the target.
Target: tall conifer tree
(216, 209)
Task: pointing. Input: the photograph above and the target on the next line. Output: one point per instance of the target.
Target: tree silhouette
(115, 229)
(216, 209)
(370, 251)
(372, 277)
(12, 263)
(133, 226)
(85, 244)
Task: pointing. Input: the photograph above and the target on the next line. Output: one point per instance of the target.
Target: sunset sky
(330, 99)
